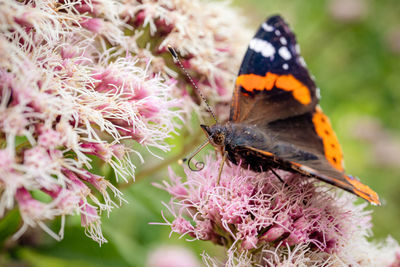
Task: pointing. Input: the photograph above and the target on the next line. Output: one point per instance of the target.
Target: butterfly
(275, 121)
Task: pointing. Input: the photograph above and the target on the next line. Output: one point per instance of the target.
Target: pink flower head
(41, 161)
(181, 226)
(139, 18)
(163, 26)
(25, 19)
(396, 262)
(88, 214)
(106, 81)
(6, 161)
(172, 256)
(95, 25)
(101, 150)
(68, 52)
(210, 55)
(257, 214)
(29, 206)
(83, 7)
(348, 10)
(50, 138)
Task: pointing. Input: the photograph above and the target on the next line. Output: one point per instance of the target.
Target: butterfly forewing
(273, 82)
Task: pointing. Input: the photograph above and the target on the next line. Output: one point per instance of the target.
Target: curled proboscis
(198, 166)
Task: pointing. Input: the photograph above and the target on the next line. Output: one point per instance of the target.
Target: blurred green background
(353, 49)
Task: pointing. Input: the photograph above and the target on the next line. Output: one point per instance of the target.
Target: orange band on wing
(333, 151)
(253, 82)
(300, 92)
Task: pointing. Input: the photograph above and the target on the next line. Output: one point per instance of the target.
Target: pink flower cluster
(262, 220)
(208, 36)
(68, 99)
(172, 256)
(253, 210)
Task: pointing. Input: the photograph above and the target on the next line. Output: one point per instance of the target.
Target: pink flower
(256, 215)
(50, 138)
(181, 226)
(348, 10)
(172, 256)
(396, 262)
(100, 150)
(93, 25)
(89, 214)
(71, 91)
(210, 55)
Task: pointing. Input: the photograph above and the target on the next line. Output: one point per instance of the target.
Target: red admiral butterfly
(275, 120)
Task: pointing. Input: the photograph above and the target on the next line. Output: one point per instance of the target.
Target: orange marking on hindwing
(364, 191)
(333, 151)
(253, 82)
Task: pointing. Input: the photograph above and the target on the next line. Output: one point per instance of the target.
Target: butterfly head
(216, 134)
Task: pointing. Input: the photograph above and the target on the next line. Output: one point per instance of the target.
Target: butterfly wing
(275, 92)
(335, 178)
(312, 148)
(273, 82)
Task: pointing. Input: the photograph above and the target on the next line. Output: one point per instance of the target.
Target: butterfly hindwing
(310, 132)
(264, 160)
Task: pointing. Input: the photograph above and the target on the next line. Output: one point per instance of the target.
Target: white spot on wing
(318, 93)
(266, 27)
(297, 47)
(302, 62)
(284, 53)
(312, 77)
(285, 66)
(277, 32)
(263, 47)
(283, 40)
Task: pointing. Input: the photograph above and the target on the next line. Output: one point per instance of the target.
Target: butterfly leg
(224, 157)
(280, 179)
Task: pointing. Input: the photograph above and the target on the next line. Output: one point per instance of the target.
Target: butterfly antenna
(177, 60)
(198, 165)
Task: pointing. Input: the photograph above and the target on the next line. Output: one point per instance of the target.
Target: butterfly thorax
(231, 135)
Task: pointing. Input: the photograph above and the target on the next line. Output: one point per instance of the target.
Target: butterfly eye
(219, 138)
